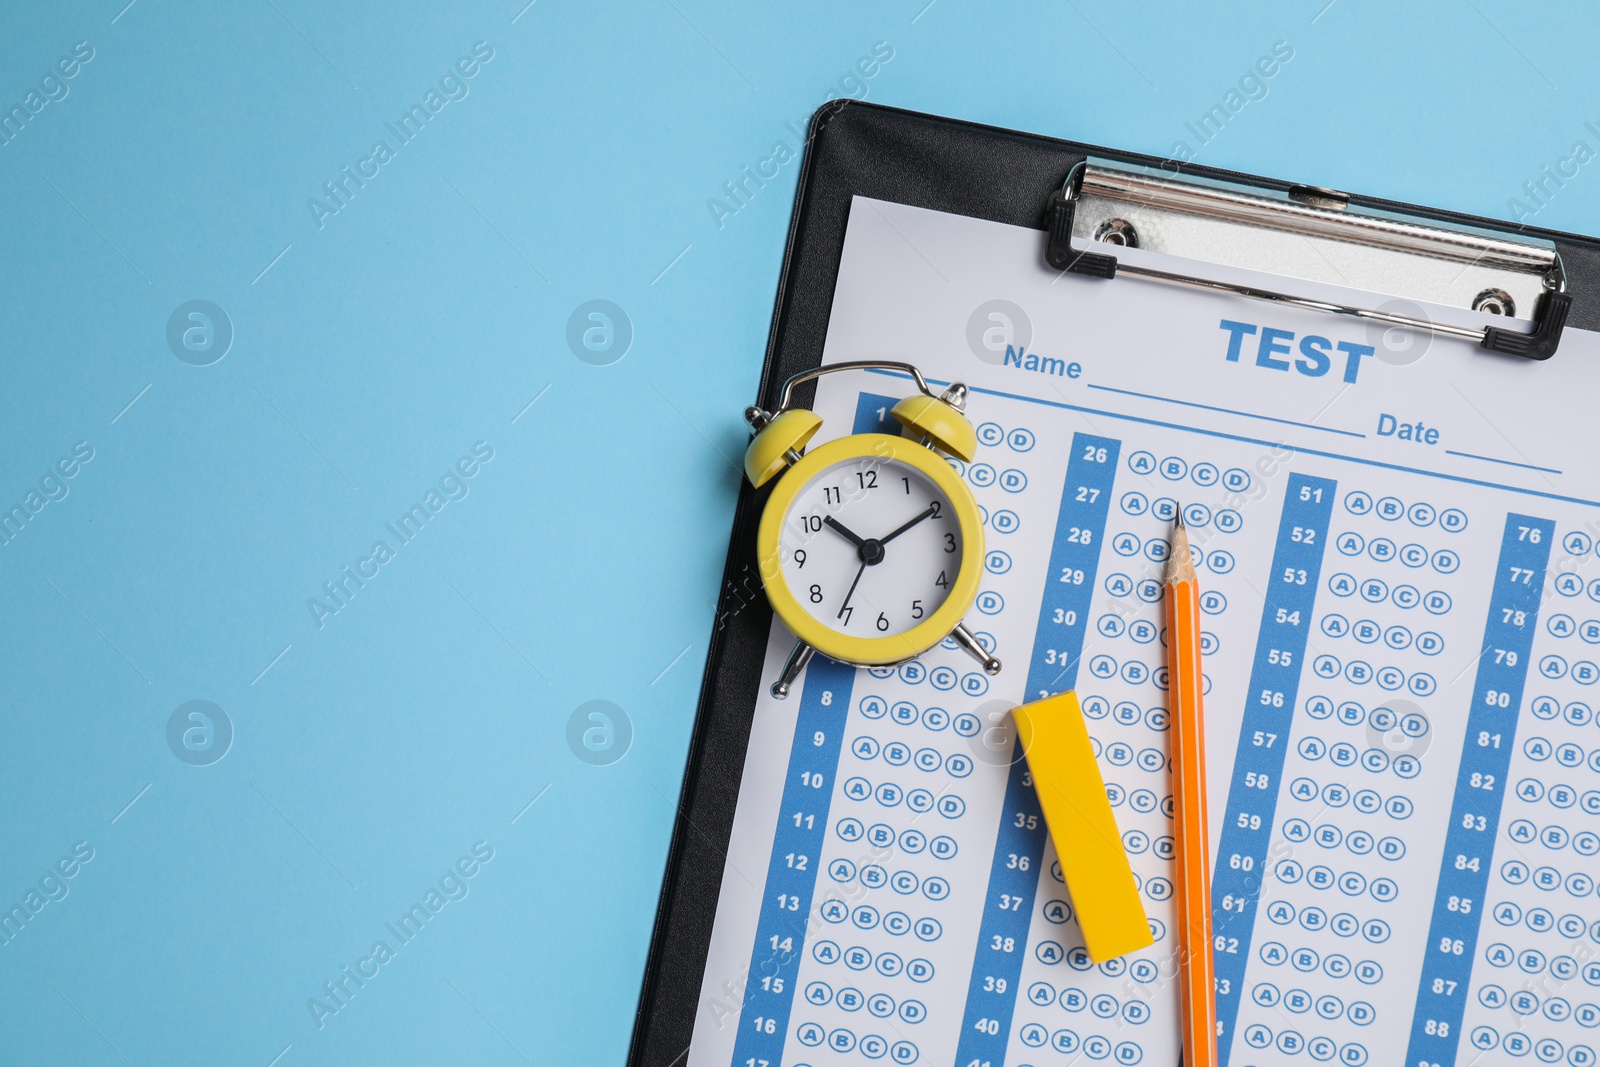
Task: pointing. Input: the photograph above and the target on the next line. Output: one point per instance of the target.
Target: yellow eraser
(1078, 815)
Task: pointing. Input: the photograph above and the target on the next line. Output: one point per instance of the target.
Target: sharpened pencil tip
(1180, 560)
(1177, 519)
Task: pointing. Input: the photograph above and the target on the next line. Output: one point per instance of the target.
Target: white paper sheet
(1396, 543)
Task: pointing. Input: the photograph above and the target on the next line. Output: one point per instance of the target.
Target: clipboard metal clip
(1311, 234)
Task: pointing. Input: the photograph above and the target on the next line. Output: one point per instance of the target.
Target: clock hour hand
(835, 524)
(933, 509)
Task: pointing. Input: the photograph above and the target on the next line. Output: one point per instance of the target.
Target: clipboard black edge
(965, 168)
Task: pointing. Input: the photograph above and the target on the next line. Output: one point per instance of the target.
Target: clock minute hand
(932, 510)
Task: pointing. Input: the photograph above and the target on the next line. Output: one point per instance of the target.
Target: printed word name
(1021, 357)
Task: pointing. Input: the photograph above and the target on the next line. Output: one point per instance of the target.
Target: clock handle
(969, 642)
(798, 658)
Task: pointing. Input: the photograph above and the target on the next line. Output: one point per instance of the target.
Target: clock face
(870, 547)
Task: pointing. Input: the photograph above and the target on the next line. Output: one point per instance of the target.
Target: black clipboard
(963, 168)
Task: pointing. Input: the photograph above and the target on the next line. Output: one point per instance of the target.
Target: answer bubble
(1400, 346)
(199, 733)
(993, 325)
(1399, 728)
(599, 732)
(599, 332)
(199, 332)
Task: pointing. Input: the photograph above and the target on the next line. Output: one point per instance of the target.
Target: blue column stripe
(1480, 787)
(792, 868)
(1014, 872)
(1269, 708)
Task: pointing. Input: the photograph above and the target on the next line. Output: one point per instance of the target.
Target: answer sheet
(1396, 541)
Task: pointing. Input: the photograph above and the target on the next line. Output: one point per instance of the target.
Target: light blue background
(584, 564)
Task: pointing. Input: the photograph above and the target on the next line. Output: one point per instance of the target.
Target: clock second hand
(846, 605)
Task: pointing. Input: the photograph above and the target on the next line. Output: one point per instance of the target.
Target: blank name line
(1228, 411)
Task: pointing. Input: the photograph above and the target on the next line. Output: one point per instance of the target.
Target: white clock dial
(870, 547)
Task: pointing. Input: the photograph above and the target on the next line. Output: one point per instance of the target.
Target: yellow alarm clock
(870, 546)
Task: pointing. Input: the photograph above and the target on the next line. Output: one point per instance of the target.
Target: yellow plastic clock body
(936, 426)
(871, 448)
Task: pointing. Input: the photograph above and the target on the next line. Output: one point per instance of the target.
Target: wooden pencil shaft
(1197, 996)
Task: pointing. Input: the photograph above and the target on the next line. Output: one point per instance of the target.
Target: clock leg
(964, 637)
(792, 667)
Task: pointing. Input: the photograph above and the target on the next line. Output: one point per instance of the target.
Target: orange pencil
(1197, 970)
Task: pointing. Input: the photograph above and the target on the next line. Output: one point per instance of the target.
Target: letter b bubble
(199, 733)
(599, 733)
(599, 332)
(199, 333)
(993, 326)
